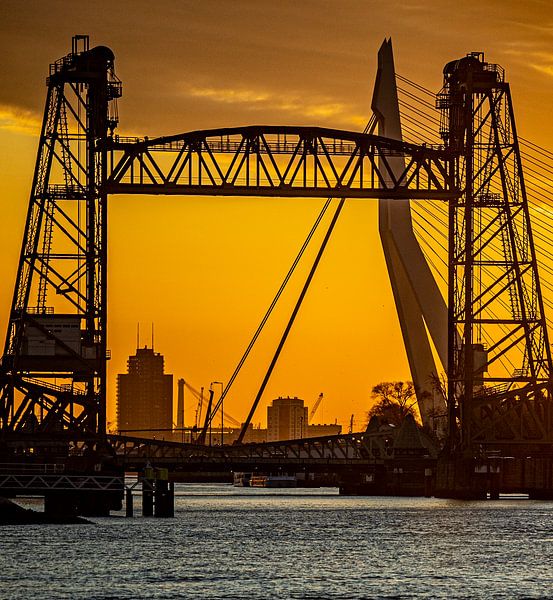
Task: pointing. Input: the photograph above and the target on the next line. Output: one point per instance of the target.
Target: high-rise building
(287, 419)
(145, 396)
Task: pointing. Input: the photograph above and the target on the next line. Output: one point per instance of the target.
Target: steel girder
(278, 161)
(339, 449)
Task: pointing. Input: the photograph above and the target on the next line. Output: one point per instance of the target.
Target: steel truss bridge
(63, 261)
(278, 161)
(334, 460)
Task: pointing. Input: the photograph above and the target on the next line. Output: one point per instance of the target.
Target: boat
(242, 479)
(274, 481)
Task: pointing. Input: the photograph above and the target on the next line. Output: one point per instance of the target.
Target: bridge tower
(499, 357)
(53, 370)
(420, 306)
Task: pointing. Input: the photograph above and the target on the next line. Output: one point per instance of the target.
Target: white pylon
(419, 303)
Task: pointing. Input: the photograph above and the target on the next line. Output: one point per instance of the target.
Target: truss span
(279, 161)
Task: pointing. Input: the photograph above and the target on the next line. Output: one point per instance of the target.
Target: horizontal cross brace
(280, 191)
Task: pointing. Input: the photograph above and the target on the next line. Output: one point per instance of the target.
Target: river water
(227, 542)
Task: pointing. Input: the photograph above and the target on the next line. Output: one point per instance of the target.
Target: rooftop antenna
(138, 335)
(152, 335)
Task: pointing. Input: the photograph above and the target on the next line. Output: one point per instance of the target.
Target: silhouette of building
(253, 434)
(145, 396)
(287, 419)
(320, 430)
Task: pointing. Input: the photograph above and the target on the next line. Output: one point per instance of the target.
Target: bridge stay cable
(273, 304)
(291, 321)
(369, 128)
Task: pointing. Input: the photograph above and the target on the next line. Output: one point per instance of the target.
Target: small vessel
(242, 479)
(274, 481)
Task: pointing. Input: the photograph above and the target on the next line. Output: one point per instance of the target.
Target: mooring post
(171, 500)
(161, 493)
(494, 481)
(428, 483)
(163, 498)
(129, 508)
(148, 492)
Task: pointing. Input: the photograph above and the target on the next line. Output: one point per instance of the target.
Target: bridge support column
(94, 503)
(60, 504)
(461, 478)
(475, 479)
(428, 483)
(171, 500)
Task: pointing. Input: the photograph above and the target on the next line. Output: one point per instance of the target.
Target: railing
(31, 468)
(66, 192)
(35, 483)
(275, 144)
(36, 310)
(66, 388)
(61, 64)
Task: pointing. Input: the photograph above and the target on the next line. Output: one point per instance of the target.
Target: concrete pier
(479, 478)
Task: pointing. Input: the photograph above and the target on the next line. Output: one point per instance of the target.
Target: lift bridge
(488, 333)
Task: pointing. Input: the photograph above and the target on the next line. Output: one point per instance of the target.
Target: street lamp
(222, 412)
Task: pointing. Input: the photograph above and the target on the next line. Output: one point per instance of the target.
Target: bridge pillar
(59, 503)
(148, 492)
(476, 479)
(89, 503)
(129, 507)
(463, 478)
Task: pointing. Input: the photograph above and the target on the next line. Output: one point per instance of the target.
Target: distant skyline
(205, 269)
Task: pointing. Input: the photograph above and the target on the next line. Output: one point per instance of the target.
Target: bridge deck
(279, 161)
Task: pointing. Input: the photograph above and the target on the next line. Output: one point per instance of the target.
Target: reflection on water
(230, 542)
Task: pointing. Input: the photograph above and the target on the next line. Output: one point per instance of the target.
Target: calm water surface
(229, 542)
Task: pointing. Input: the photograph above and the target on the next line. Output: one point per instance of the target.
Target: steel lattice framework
(62, 265)
(53, 373)
(277, 161)
(499, 354)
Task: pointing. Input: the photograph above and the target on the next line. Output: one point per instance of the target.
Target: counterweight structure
(53, 372)
(499, 371)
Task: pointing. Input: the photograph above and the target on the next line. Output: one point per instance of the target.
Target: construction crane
(200, 398)
(315, 406)
(199, 395)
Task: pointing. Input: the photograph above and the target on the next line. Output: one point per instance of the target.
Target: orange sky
(206, 269)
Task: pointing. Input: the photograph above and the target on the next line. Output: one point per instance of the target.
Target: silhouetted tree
(394, 400)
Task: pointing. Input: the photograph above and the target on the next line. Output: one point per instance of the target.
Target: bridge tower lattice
(499, 357)
(53, 372)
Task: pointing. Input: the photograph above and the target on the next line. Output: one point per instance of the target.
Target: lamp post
(222, 412)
